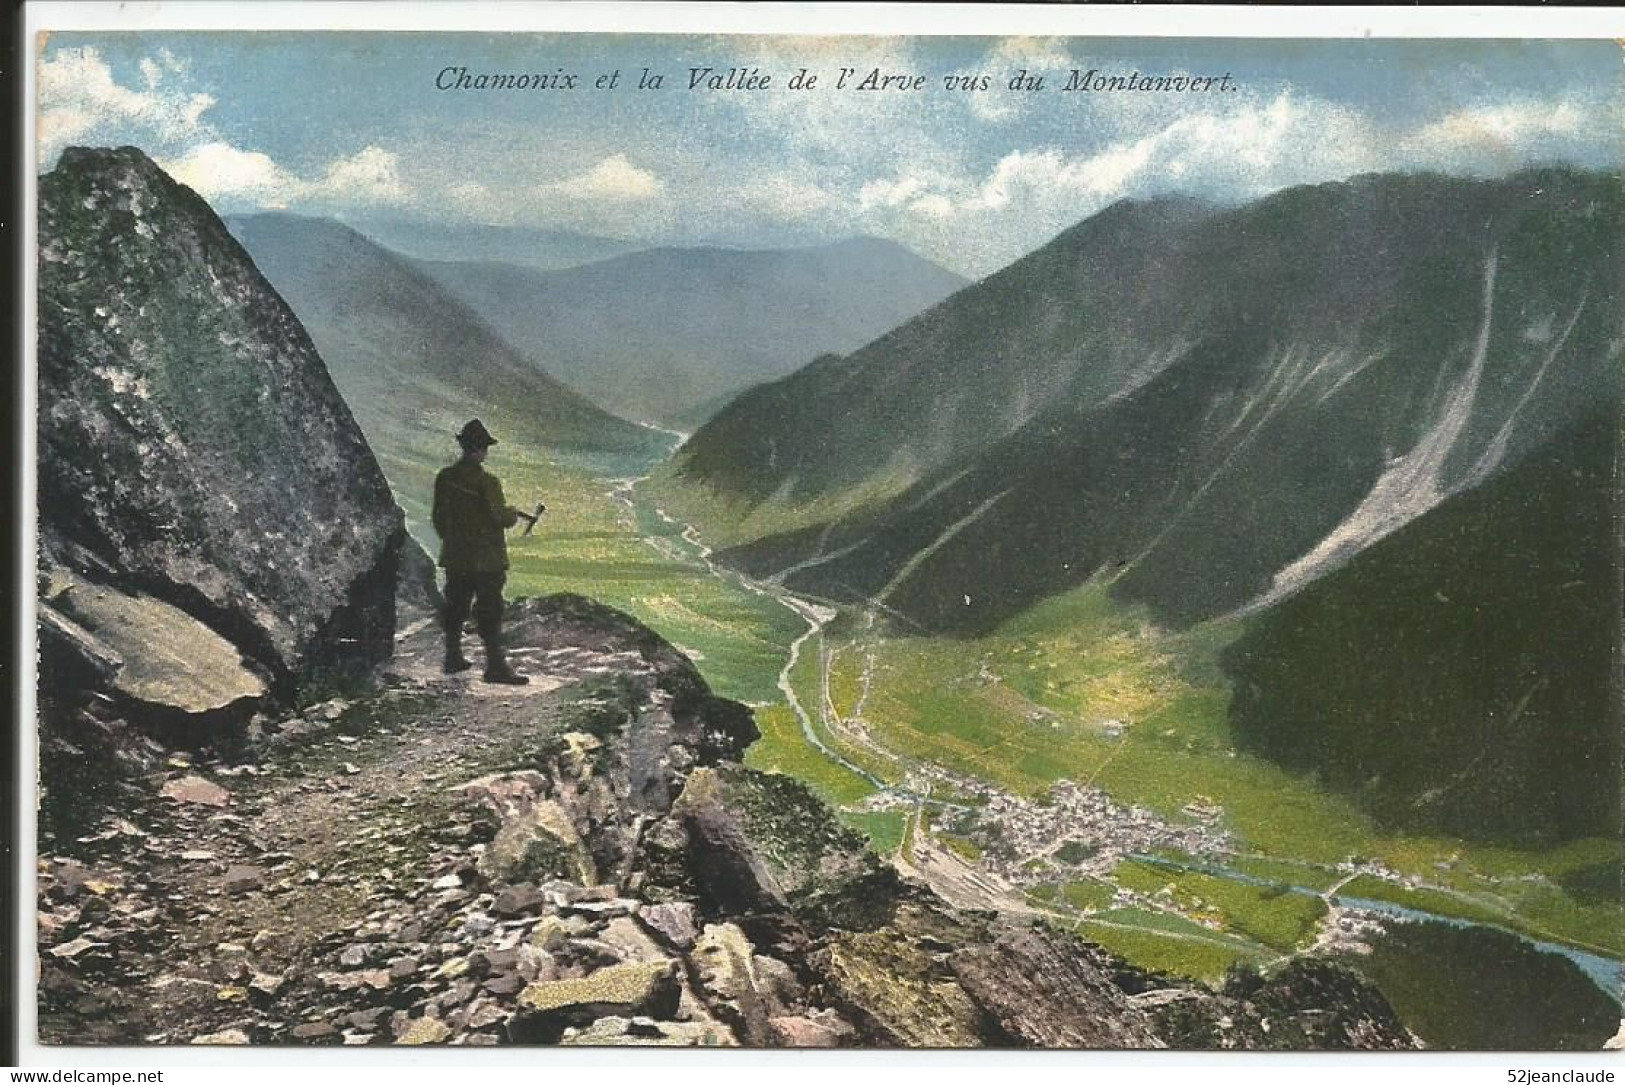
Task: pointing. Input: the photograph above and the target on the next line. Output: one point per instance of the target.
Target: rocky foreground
(580, 862)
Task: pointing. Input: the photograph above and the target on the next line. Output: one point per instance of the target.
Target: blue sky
(351, 125)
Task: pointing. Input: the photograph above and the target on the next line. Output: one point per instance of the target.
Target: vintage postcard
(878, 529)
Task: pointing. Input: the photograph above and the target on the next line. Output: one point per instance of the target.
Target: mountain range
(1208, 408)
(1345, 399)
(542, 249)
(669, 334)
(1371, 423)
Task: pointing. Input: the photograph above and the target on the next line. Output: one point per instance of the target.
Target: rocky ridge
(584, 862)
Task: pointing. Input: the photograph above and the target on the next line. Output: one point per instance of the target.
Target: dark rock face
(190, 440)
(897, 985)
(761, 842)
(418, 585)
(1310, 1005)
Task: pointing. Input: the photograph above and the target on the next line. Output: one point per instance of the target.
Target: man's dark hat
(475, 435)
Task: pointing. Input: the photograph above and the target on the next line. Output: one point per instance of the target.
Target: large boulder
(1310, 1004)
(1050, 990)
(547, 1008)
(151, 654)
(897, 984)
(759, 842)
(192, 449)
(744, 988)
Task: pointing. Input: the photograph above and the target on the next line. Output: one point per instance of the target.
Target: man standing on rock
(470, 516)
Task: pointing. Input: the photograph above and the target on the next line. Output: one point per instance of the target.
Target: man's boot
(496, 664)
(455, 662)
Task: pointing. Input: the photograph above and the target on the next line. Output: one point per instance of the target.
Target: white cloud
(933, 207)
(972, 179)
(613, 178)
(889, 193)
(1030, 194)
(1036, 54)
(782, 196)
(1242, 148)
(81, 100)
(1263, 147)
(1028, 177)
(1502, 125)
(830, 128)
(470, 195)
(1503, 136)
(219, 171)
(371, 175)
(229, 175)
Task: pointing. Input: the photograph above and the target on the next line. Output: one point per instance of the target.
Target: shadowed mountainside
(1055, 325)
(1376, 418)
(1248, 399)
(1458, 675)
